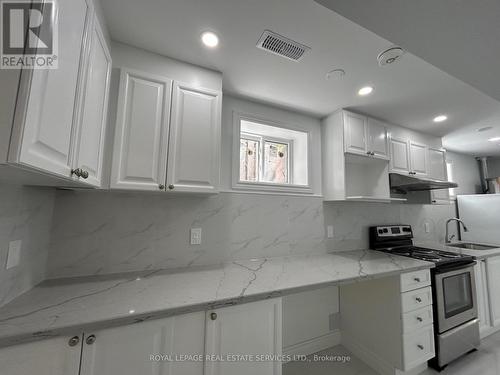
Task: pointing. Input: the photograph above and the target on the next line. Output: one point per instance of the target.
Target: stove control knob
(380, 231)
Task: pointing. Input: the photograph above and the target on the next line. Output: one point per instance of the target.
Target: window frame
(262, 186)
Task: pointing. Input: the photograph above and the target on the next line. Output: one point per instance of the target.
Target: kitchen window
(272, 157)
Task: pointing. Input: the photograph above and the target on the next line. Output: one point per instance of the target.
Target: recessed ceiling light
(494, 139)
(210, 39)
(440, 118)
(365, 90)
(484, 129)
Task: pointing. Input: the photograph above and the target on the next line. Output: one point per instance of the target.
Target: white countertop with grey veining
(69, 306)
(478, 254)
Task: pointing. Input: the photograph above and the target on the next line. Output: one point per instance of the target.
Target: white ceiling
(409, 93)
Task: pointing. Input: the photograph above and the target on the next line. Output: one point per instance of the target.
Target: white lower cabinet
(48, 357)
(210, 343)
(137, 349)
(493, 284)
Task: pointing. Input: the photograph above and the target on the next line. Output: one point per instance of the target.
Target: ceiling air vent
(282, 46)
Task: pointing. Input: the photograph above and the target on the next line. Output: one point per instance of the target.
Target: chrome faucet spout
(448, 238)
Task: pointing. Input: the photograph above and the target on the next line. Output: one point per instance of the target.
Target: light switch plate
(195, 236)
(14, 255)
(329, 231)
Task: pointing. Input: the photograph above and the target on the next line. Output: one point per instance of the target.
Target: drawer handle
(418, 299)
(419, 319)
(421, 347)
(417, 279)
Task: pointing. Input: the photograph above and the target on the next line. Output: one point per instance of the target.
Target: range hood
(402, 184)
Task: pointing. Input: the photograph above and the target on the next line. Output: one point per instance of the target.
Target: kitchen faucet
(447, 237)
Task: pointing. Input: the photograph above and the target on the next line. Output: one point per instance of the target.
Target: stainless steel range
(456, 326)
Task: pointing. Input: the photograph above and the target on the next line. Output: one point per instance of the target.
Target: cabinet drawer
(417, 319)
(418, 347)
(415, 299)
(415, 280)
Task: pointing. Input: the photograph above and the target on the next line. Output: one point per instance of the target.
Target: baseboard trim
(314, 345)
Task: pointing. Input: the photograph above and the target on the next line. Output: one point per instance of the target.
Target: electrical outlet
(195, 236)
(329, 231)
(427, 227)
(14, 255)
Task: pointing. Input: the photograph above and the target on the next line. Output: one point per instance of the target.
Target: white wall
(465, 173)
(494, 167)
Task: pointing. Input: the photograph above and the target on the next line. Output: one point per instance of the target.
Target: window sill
(273, 188)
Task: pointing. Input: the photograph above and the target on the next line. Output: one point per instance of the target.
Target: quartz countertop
(478, 254)
(69, 306)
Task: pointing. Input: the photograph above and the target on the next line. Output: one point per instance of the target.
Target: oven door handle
(460, 266)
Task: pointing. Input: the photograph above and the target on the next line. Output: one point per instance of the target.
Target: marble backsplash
(25, 214)
(107, 232)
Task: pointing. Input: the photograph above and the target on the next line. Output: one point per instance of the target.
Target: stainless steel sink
(472, 246)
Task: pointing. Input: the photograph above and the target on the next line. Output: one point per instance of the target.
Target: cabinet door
(437, 164)
(493, 279)
(89, 154)
(194, 145)
(400, 162)
(46, 141)
(482, 296)
(354, 133)
(250, 329)
(377, 139)
(141, 133)
(418, 159)
(149, 348)
(47, 357)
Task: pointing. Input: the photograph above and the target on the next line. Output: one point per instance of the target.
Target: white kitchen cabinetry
(127, 350)
(153, 124)
(365, 136)
(437, 171)
(194, 142)
(90, 149)
(482, 297)
(400, 156)
(493, 280)
(48, 357)
(141, 134)
(59, 117)
(251, 329)
(418, 159)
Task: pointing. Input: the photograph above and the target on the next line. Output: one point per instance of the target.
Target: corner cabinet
(59, 117)
(167, 135)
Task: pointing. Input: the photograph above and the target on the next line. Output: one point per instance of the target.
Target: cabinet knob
(77, 172)
(171, 187)
(372, 153)
(161, 187)
(421, 347)
(418, 299)
(74, 341)
(419, 319)
(90, 340)
(213, 316)
(85, 174)
(368, 153)
(417, 279)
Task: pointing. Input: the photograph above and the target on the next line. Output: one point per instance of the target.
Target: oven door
(455, 297)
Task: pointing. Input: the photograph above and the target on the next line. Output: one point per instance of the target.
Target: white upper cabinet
(437, 164)
(53, 356)
(365, 136)
(400, 162)
(377, 139)
(248, 329)
(418, 159)
(194, 144)
(154, 126)
(90, 149)
(127, 350)
(45, 125)
(141, 133)
(354, 133)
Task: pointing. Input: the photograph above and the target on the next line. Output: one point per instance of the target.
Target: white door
(377, 139)
(493, 279)
(418, 159)
(150, 348)
(355, 133)
(47, 357)
(400, 162)
(47, 140)
(89, 154)
(482, 296)
(251, 329)
(194, 144)
(141, 133)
